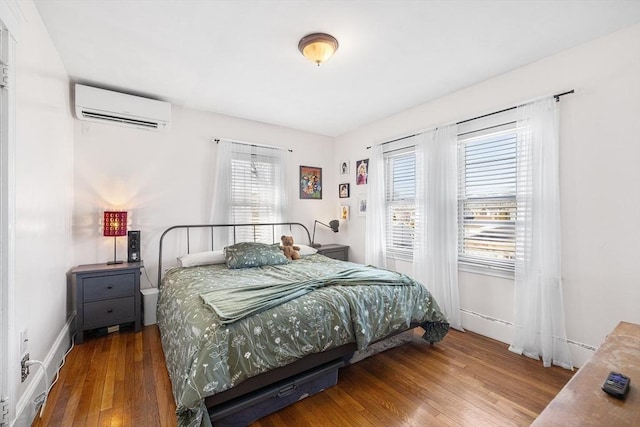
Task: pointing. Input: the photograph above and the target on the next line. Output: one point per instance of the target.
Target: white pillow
(306, 250)
(202, 258)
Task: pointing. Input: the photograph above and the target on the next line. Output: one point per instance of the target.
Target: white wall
(166, 178)
(44, 193)
(600, 153)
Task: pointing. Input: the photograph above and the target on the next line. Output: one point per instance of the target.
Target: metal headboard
(234, 227)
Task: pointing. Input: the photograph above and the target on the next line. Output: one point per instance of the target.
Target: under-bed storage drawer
(247, 409)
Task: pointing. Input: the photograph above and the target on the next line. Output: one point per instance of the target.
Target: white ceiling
(240, 58)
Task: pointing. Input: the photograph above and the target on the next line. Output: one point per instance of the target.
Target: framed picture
(344, 212)
(362, 205)
(362, 171)
(345, 167)
(310, 182)
(343, 191)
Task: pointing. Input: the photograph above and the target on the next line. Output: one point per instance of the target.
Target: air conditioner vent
(106, 117)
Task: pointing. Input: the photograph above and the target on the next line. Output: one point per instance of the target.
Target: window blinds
(400, 194)
(257, 190)
(487, 197)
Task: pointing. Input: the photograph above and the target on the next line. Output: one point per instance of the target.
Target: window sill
(400, 257)
(469, 268)
(487, 271)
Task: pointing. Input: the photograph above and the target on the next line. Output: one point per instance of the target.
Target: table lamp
(333, 225)
(115, 225)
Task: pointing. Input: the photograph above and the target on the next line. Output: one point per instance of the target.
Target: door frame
(11, 19)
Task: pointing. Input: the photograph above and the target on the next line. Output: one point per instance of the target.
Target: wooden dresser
(583, 403)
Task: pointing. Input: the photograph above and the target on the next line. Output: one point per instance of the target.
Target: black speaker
(133, 245)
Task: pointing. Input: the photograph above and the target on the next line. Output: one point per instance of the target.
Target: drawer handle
(287, 390)
(110, 310)
(110, 287)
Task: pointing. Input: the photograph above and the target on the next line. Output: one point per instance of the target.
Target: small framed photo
(362, 206)
(345, 167)
(344, 212)
(362, 171)
(343, 191)
(310, 182)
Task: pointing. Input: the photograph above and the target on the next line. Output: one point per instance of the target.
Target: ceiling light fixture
(318, 47)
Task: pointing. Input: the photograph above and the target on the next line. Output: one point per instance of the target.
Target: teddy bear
(290, 251)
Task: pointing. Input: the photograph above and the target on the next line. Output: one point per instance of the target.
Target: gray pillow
(251, 254)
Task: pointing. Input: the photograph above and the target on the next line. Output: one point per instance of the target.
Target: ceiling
(240, 58)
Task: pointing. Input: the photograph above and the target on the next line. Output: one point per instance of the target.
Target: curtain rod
(556, 96)
(253, 144)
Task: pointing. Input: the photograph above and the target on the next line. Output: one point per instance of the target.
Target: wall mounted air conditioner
(105, 106)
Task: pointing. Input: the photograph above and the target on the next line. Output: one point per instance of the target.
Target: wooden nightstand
(335, 251)
(106, 295)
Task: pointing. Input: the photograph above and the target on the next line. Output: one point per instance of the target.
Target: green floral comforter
(205, 356)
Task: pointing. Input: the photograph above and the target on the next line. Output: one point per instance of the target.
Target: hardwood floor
(117, 380)
(121, 380)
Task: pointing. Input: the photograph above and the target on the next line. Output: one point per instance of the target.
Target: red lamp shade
(115, 224)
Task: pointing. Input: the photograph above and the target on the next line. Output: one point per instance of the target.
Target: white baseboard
(502, 331)
(496, 329)
(580, 353)
(26, 408)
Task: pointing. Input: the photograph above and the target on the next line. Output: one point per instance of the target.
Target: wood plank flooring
(466, 380)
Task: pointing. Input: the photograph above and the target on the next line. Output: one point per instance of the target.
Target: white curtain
(220, 212)
(539, 307)
(249, 186)
(435, 256)
(375, 240)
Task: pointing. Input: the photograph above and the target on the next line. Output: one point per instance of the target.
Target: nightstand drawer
(109, 312)
(337, 254)
(105, 287)
(335, 251)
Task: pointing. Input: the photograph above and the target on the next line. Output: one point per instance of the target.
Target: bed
(236, 322)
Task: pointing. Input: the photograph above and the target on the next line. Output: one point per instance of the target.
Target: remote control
(617, 385)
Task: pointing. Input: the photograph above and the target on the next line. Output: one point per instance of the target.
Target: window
(487, 197)
(257, 190)
(400, 174)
